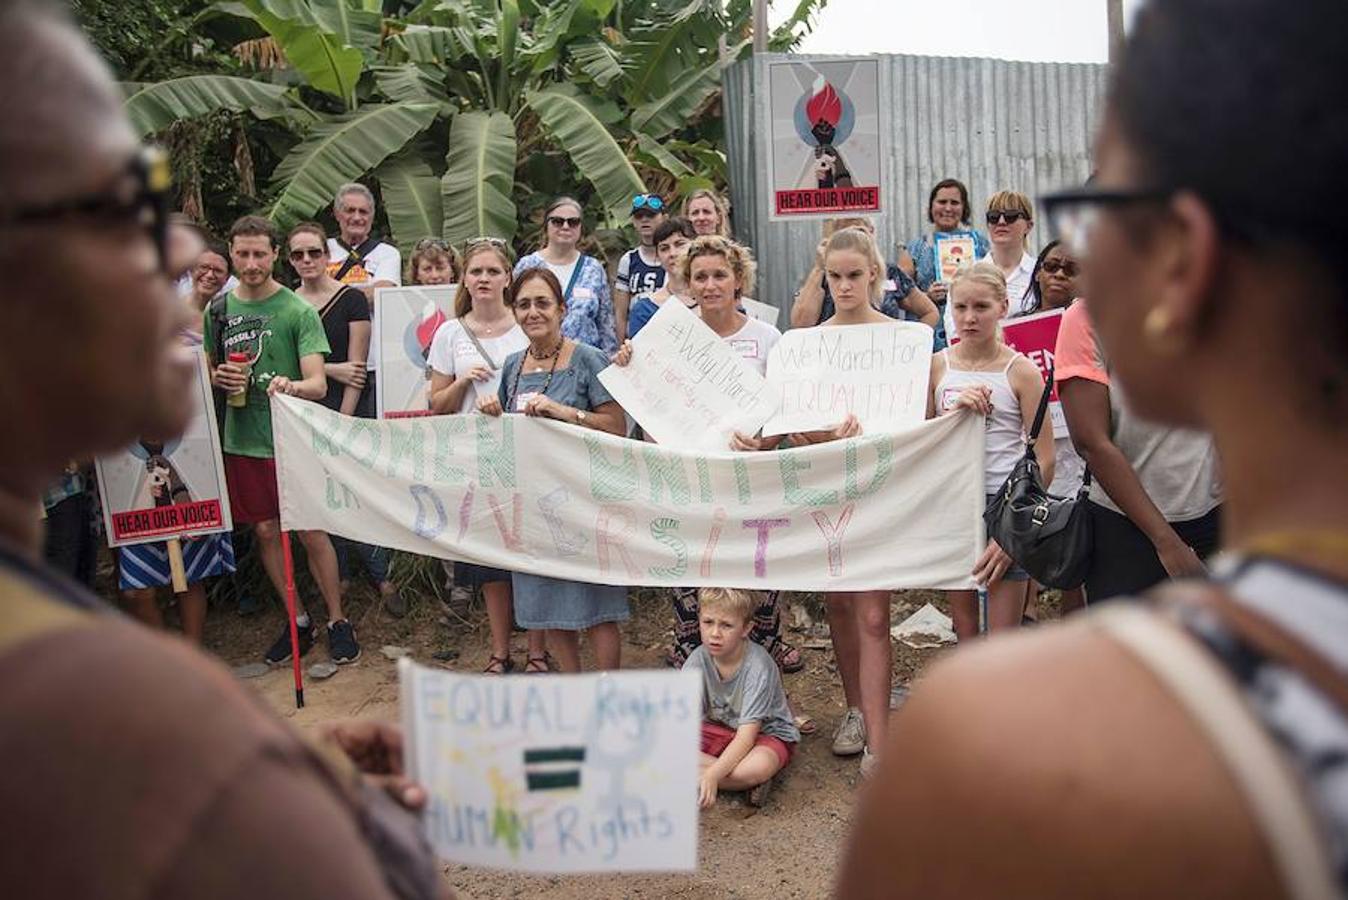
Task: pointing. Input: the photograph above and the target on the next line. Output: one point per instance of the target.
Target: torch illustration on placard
(824, 111)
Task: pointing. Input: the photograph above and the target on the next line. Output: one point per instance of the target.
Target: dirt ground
(743, 852)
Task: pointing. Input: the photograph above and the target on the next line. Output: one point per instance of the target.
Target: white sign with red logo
(1035, 336)
(156, 490)
(407, 319)
(825, 138)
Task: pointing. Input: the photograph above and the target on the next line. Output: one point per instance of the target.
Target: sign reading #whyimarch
(900, 510)
(570, 773)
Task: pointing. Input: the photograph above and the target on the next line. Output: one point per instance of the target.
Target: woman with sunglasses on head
(557, 378)
(345, 314)
(590, 317)
(1196, 746)
(707, 210)
(466, 358)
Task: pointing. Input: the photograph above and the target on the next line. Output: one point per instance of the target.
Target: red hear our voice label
(836, 199)
(167, 520)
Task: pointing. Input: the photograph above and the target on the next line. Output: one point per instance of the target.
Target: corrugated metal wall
(993, 124)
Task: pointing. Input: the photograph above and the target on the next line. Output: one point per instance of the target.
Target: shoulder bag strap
(575, 274)
(1039, 414)
(355, 254)
(1205, 691)
(491, 363)
(219, 314)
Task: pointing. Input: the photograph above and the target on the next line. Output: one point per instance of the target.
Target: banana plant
(465, 111)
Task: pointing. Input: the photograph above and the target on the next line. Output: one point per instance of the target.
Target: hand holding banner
(878, 373)
(685, 386)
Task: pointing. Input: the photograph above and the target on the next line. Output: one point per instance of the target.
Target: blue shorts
(147, 565)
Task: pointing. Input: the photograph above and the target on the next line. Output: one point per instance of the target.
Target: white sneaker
(868, 763)
(850, 738)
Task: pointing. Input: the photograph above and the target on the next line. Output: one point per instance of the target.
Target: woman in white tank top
(981, 373)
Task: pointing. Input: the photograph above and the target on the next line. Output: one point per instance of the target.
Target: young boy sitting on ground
(748, 735)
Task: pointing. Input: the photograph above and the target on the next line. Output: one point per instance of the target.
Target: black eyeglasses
(140, 193)
(1072, 214)
(307, 253)
(1010, 216)
(1053, 267)
(564, 221)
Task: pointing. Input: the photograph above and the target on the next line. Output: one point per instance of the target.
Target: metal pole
(1114, 12)
(760, 26)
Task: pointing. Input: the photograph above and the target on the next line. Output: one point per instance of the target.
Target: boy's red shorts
(716, 737)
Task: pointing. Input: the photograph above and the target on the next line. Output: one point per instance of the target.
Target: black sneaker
(342, 646)
(280, 650)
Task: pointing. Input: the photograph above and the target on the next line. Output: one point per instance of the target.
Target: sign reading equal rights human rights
(826, 143)
(155, 489)
(407, 319)
(878, 373)
(570, 773)
(532, 495)
(686, 387)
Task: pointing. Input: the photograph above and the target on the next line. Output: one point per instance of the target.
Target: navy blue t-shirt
(636, 276)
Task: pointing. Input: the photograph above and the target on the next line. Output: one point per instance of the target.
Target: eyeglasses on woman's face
(564, 221)
(1067, 267)
(1009, 216)
(300, 254)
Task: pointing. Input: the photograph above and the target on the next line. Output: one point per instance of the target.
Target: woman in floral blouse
(589, 303)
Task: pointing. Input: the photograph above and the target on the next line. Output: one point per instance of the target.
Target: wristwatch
(580, 417)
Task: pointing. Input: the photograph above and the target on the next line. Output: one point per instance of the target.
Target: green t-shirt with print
(275, 333)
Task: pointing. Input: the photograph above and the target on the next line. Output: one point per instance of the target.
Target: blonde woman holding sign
(858, 620)
(466, 356)
(983, 374)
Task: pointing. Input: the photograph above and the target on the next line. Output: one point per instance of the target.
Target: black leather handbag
(1049, 537)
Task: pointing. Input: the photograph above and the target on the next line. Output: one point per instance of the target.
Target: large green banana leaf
(411, 194)
(657, 155)
(475, 191)
(341, 150)
(153, 107)
(675, 109)
(326, 63)
(352, 25)
(580, 124)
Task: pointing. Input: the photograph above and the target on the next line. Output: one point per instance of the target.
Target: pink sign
(1035, 336)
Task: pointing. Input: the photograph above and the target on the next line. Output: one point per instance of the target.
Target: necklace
(971, 365)
(555, 355)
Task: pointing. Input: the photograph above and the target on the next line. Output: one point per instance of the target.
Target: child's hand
(706, 791)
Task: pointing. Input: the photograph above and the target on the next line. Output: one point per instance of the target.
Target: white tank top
(1005, 440)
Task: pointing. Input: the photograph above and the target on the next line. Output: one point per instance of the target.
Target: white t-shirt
(1016, 286)
(383, 263)
(754, 342)
(453, 354)
(565, 272)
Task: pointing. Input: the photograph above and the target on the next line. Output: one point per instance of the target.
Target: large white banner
(155, 490)
(877, 372)
(569, 773)
(899, 510)
(406, 319)
(686, 387)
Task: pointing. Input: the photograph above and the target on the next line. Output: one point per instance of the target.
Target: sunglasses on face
(1053, 267)
(304, 253)
(651, 202)
(1010, 216)
(564, 221)
(140, 194)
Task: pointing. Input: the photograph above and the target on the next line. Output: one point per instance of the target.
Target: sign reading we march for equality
(155, 490)
(686, 386)
(569, 773)
(896, 510)
(879, 373)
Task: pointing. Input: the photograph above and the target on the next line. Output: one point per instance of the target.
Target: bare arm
(920, 305)
(622, 301)
(809, 300)
(313, 386)
(358, 351)
(1085, 403)
(447, 392)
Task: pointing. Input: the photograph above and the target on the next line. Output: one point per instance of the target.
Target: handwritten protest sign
(954, 251)
(156, 490)
(825, 119)
(406, 320)
(878, 372)
(533, 495)
(566, 773)
(757, 309)
(685, 386)
(1036, 336)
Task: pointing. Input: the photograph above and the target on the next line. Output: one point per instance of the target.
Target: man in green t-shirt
(277, 345)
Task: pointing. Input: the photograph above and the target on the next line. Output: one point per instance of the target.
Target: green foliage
(465, 114)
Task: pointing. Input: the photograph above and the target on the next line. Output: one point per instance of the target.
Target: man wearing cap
(639, 270)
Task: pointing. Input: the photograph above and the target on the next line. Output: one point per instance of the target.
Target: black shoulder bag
(1049, 537)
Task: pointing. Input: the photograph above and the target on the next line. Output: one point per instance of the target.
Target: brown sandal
(538, 665)
(499, 665)
(787, 656)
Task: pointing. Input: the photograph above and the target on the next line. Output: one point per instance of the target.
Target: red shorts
(252, 489)
(716, 737)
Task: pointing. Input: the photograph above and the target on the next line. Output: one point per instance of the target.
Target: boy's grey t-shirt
(753, 694)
